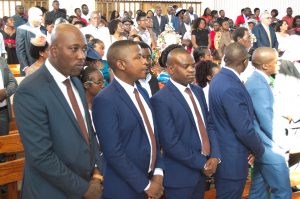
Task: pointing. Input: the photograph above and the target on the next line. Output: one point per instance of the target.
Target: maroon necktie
(150, 131)
(76, 109)
(203, 133)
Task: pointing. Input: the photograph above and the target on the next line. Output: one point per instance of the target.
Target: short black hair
(143, 45)
(86, 72)
(83, 5)
(80, 22)
(113, 25)
(35, 50)
(198, 53)
(255, 9)
(239, 33)
(162, 60)
(76, 9)
(203, 69)
(275, 11)
(140, 15)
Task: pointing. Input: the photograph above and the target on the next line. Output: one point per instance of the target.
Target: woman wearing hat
(178, 20)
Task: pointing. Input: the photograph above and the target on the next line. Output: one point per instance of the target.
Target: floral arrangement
(168, 37)
(253, 38)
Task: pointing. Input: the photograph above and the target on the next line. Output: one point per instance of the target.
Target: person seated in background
(296, 25)
(39, 51)
(205, 71)
(200, 35)
(99, 47)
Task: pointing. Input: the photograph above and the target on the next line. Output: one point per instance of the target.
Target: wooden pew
(15, 69)
(11, 171)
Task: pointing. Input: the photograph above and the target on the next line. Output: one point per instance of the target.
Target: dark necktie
(150, 131)
(203, 133)
(76, 109)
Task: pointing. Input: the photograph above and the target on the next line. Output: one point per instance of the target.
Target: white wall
(70, 5)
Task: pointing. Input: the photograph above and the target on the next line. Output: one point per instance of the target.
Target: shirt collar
(236, 73)
(148, 78)
(264, 75)
(128, 88)
(58, 77)
(180, 87)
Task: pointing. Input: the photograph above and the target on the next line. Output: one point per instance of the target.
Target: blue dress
(105, 72)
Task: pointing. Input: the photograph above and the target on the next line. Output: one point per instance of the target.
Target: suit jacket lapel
(124, 96)
(61, 98)
(201, 103)
(182, 101)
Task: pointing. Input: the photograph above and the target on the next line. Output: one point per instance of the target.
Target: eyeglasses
(100, 82)
(127, 24)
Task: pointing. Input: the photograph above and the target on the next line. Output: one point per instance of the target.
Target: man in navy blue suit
(126, 127)
(233, 116)
(190, 149)
(271, 174)
(264, 33)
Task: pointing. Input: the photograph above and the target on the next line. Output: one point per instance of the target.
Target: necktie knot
(67, 83)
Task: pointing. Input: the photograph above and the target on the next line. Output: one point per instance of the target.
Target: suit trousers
(4, 122)
(228, 188)
(195, 192)
(270, 178)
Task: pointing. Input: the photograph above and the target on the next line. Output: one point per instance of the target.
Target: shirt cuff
(158, 171)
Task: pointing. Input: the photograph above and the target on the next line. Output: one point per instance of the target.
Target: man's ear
(53, 50)
(120, 64)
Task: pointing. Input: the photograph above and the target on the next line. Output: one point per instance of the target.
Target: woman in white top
(282, 35)
(116, 31)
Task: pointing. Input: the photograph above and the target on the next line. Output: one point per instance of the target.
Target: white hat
(179, 10)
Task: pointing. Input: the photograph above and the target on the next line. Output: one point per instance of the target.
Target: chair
(11, 171)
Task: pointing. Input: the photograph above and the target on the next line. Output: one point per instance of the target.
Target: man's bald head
(175, 56)
(263, 55)
(119, 51)
(62, 32)
(235, 54)
(67, 51)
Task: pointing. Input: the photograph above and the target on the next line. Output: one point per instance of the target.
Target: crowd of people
(106, 111)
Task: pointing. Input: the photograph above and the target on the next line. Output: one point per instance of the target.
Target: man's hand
(2, 94)
(156, 190)
(94, 190)
(210, 166)
(251, 159)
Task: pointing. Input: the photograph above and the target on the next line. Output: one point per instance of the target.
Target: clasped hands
(210, 166)
(156, 189)
(95, 187)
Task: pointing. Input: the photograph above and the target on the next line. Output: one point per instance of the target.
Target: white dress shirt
(236, 73)
(187, 98)
(145, 84)
(59, 79)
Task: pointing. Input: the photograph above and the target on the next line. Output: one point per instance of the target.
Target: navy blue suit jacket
(232, 113)
(263, 100)
(179, 137)
(125, 144)
(59, 162)
(262, 39)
